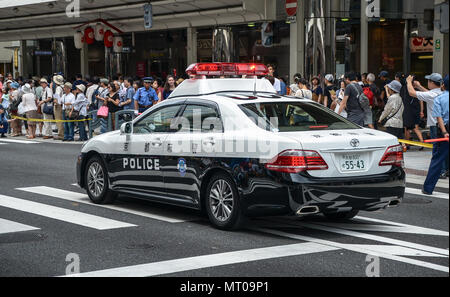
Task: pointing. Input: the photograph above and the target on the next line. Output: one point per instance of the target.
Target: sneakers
(444, 175)
(3, 136)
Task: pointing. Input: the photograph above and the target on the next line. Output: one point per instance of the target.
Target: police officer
(441, 112)
(146, 96)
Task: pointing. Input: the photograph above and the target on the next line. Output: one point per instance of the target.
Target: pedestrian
(329, 95)
(303, 91)
(441, 113)
(2, 80)
(427, 96)
(91, 92)
(146, 96)
(377, 104)
(14, 101)
(58, 82)
(283, 86)
(384, 76)
(46, 105)
(113, 102)
(316, 89)
(411, 115)
(351, 102)
(38, 92)
(169, 87)
(79, 111)
(340, 94)
(67, 100)
(3, 122)
(392, 116)
(294, 87)
(30, 109)
(159, 89)
(127, 103)
(277, 83)
(79, 81)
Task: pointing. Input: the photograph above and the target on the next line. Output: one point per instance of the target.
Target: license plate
(353, 162)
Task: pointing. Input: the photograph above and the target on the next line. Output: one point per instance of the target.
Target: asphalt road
(45, 231)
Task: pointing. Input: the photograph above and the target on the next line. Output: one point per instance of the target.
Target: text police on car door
(141, 164)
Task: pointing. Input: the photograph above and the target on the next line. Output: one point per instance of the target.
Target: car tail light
(227, 69)
(393, 157)
(295, 161)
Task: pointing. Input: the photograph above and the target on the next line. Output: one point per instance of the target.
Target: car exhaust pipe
(308, 210)
(394, 203)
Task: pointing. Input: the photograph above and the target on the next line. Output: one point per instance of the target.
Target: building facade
(325, 36)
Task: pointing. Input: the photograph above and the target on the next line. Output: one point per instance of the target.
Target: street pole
(364, 38)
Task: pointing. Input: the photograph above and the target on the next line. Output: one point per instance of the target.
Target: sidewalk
(418, 162)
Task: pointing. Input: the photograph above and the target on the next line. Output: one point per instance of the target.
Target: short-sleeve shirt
(327, 93)
(429, 97)
(67, 98)
(146, 97)
(440, 108)
(353, 91)
(129, 96)
(318, 91)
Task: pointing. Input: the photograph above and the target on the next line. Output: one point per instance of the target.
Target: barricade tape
(415, 143)
(48, 121)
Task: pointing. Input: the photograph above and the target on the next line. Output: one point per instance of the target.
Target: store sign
(291, 7)
(148, 16)
(421, 45)
(438, 44)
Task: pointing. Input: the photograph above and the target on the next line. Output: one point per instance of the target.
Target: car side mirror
(126, 129)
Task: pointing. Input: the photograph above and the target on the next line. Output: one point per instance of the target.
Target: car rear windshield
(292, 117)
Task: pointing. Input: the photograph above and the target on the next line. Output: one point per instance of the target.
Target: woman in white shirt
(30, 109)
(303, 91)
(80, 106)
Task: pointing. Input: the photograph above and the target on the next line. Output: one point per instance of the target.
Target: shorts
(397, 132)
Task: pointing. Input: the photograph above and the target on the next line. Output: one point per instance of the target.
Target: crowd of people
(38, 103)
(400, 106)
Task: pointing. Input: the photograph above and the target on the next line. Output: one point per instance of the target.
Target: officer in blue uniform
(146, 96)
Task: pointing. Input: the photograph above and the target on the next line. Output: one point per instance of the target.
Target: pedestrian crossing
(4, 141)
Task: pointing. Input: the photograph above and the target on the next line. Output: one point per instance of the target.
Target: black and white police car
(234, 148)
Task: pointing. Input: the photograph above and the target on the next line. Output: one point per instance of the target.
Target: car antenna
(254, 85)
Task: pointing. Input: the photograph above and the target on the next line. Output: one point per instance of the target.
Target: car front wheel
(96, 181)
(223, 203)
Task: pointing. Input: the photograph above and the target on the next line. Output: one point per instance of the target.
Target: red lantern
(89, 35)
(108, 39)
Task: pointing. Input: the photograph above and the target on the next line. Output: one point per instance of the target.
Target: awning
(42, 19)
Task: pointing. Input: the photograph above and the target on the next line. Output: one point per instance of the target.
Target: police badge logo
(182, 166)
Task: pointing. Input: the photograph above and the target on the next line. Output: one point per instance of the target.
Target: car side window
(201, 118)
(159, 121)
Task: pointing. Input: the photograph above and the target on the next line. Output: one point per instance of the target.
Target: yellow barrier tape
(48, 121)
(415, 143)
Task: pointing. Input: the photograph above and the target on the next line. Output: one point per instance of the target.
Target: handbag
(363, 100)
(103, 112)
(74, 114)
(48, 109)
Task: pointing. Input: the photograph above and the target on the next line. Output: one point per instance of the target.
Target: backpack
(368, 92)
(94, 103)
(363, 101)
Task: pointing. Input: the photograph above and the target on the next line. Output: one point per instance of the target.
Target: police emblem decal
(182, 166)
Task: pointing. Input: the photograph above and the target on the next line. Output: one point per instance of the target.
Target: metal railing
(106, 124)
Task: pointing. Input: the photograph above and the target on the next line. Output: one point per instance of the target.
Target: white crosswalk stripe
(83, 198)
(6, 141)
(418, 192)
(62, 214)
(14, 227)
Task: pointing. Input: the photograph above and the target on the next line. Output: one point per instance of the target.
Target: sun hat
(59, 80)
(43, 80)
(81, 87)
(26, 89)
(15, 85)
(68, 85)
(329, 77)
(395, 86)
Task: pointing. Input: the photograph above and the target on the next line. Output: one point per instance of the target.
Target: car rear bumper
(330, 195)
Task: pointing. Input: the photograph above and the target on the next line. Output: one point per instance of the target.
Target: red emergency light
(227, 69)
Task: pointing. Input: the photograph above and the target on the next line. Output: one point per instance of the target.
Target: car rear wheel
(96, 181)
(347, 215)
(223, 203)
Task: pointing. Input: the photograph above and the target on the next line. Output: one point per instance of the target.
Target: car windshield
(293, 117)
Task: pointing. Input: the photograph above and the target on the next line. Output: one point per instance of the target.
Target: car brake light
(295, 161)
(393, 157)
(227, 69)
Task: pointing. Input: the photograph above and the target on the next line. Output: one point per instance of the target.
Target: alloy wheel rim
(221, 200)
(96, 179)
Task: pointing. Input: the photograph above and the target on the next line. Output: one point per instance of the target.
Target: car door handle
(157, 142)
(209, 141)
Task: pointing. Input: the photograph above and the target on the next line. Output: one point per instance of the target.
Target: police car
(233, 148)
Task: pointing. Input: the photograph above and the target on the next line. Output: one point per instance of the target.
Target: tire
(96, 181)
(223, 206)
(338, 216)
